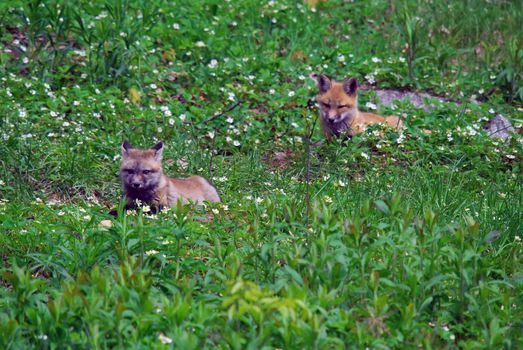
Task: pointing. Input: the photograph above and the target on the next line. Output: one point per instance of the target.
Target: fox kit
(143, 179)
(339, 113)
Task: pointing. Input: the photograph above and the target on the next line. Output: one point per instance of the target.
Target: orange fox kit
(339, 113)
(143, 179)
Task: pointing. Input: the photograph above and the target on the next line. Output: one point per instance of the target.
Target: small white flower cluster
(370, 79)
(220, 179)
(371, 105)
(472, 130)
(166, 111)
(236, 143)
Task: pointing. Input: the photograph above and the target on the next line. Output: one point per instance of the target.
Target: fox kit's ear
(126, 146)
(323, 82)
(350, 86)
(159, 151)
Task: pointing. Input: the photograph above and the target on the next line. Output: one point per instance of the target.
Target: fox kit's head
(338, 100)
(141, 170)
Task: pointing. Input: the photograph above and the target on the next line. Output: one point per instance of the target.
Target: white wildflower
(213, 63)
(371, 105)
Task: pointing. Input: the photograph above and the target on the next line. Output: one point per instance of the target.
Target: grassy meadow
(404, 241)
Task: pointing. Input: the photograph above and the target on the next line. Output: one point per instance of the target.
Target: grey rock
(499, 127)
(418, 99)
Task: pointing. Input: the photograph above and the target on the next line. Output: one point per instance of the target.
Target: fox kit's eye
(344, 106)
(129, 171)
(326, 105)
(145, 172)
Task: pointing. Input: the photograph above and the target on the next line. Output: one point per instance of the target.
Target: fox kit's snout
(339, 113)
(143, 179)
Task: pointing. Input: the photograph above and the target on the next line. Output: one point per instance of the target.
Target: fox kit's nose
(136, 184)
(332, 116)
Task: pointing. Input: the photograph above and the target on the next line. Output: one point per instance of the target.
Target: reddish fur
(336, 101)
(166, 191)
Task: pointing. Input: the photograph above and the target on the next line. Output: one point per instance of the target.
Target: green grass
(394, 242)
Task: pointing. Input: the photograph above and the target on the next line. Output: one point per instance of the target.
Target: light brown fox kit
(339, 113)
(143, 179)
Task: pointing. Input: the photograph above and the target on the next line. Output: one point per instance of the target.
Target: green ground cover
(402, 241)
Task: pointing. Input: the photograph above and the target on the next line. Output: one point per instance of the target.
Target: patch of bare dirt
(279, 160)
